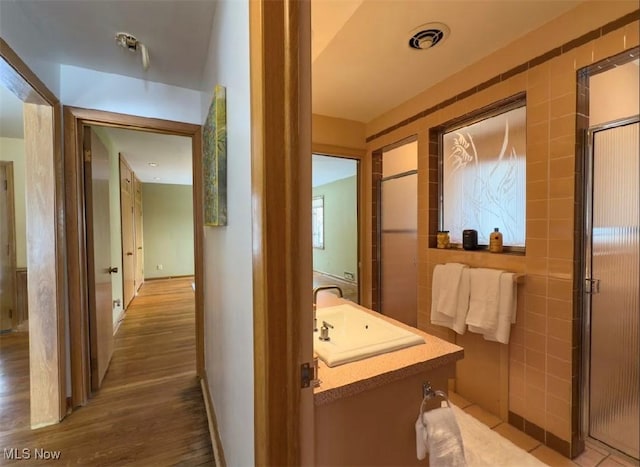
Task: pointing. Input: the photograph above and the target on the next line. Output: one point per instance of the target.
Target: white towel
(456, 322)
(449, 283)
(441, 438)
(483, 300)
(506, 309)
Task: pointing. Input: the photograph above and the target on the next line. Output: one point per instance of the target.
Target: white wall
(12, 149)
(228, 250)
(91, 89)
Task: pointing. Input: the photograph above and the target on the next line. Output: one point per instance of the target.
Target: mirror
(335, 223)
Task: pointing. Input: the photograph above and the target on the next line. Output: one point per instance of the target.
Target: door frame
(280, 83)
(582, 326)
(8, 165)
(587, 268)
(351, 155)
(74, 119)
(45, 251)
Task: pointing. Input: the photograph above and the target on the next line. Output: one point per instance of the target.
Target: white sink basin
(357, 335)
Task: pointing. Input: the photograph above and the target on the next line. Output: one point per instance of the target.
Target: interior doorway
(334, 210)
(81, 313)
(43, 186)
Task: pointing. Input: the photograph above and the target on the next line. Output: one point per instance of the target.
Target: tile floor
(595, 454)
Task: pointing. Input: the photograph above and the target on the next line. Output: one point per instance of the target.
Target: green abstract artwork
(215, 160)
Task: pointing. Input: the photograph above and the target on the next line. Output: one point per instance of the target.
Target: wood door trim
(75, 118)
(11, 222)
(18, 78)
(25, 84)
(282, 281)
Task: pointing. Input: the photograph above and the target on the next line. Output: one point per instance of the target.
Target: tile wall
(544, 349)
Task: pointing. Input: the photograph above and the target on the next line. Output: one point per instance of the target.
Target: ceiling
(362, 65)
(172, 154)
(82, 33)
(366, 68)
(327, 169)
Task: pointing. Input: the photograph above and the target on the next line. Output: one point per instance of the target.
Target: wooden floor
(150, 409)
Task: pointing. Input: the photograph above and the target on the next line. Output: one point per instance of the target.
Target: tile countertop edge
(356, 387)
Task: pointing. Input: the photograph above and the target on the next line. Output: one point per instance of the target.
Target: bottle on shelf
(495, 241)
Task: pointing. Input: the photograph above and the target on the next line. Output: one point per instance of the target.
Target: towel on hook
(506, 309)
(483, 300)
(457, 321)
(437, 433)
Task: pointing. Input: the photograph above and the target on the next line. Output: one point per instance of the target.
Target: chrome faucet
(315, 299)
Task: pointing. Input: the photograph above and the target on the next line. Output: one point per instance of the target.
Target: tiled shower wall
(544, 348)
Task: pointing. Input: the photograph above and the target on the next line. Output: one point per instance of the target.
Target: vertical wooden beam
(45, 354)
(281, 192)
(46, 256)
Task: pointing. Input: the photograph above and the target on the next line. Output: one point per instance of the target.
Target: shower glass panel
(614, 409)
(398, 244)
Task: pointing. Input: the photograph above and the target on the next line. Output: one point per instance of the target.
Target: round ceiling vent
(428, 35)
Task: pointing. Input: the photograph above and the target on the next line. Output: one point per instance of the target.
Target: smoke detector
(428, 36)
(129, 42)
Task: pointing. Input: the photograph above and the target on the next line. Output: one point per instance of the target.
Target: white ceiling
(171, 153)
(327, 169)
(82, 33)
(362, 65)
(367, 67)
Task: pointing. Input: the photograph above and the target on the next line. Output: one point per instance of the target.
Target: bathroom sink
(357, 335)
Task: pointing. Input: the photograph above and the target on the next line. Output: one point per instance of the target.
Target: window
(482, 179)
(317, 221)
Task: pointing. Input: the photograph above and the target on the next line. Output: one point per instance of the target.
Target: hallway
(150, 409)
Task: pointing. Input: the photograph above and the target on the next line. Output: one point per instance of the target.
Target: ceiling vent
(428, 35)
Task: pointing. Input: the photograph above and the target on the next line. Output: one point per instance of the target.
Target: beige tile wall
(540, 351)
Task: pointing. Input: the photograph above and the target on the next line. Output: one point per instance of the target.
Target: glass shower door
(614, 408)
(399, 247)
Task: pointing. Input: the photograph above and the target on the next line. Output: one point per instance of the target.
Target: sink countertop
(355, 377)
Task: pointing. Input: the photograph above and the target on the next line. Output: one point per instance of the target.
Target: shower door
(399, 247)
(612, 284)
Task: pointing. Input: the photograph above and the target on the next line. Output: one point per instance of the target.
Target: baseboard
(336, 277)
(540, 434)
(216, 444)
(164, 278)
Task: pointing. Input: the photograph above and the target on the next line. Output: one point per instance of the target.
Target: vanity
(365, 410)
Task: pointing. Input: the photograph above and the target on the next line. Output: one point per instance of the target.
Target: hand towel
(449, 283)
(437, 433)
(506, 309)
(483, 299)
(457, 321)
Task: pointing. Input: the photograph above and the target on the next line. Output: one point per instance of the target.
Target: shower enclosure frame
(582, 330)
(586, 278)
